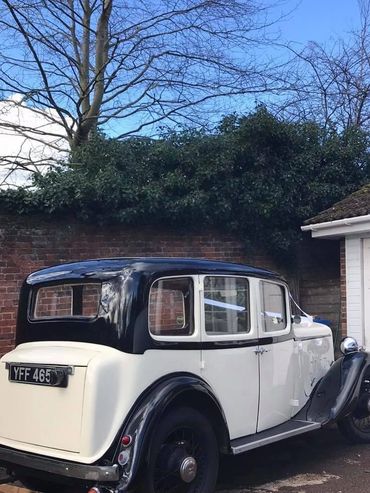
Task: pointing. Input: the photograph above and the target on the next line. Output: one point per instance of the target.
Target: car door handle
(261, 350)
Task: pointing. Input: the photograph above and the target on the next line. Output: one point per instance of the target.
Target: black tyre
(183, 455)
(356, 428)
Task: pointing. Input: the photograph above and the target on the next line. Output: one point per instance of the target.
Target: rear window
(65, 301)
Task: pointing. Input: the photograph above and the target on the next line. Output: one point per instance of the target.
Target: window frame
(274, 333)
(252, 334)
(193, 313)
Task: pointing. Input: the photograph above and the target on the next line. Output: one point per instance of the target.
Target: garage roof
(356, 204)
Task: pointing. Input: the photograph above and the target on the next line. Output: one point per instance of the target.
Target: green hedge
(257, 176)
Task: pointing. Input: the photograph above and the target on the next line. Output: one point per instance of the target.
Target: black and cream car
(136, 374)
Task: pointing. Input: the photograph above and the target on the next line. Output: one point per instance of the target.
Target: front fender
(338, 392)
(184, 388)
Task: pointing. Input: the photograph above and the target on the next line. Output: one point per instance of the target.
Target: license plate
(52, 376)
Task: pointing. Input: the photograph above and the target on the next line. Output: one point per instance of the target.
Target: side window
(273, 307)
(170, 307)
(226, 305)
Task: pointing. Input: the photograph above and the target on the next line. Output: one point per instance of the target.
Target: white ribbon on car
(310, 317)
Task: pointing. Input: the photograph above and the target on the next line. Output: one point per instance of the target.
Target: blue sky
(318, 20)
(322, 21)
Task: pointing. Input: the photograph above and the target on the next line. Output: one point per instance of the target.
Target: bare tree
(333, 82)
(81, 64)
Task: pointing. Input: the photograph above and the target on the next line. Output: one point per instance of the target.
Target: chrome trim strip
(310, 338)
(250, 445)
(10, 457)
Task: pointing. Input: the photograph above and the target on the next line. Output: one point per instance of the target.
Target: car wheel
(183, 455)
(356, 429)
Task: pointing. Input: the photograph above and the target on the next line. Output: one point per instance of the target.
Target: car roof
(106, 268)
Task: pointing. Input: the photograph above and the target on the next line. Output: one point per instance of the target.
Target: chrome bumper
(10, 458)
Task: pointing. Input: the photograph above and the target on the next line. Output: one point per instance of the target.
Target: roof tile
(356, 204)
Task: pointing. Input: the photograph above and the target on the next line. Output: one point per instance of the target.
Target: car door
(229, 340)
(276, 355)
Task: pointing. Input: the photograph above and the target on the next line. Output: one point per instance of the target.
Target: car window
(273, 307)
(67, 300)
(226, 305)
(170, 307)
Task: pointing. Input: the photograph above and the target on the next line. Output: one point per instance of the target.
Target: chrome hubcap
(188, 469)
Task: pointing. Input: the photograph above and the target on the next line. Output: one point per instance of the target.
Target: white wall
(366, 290)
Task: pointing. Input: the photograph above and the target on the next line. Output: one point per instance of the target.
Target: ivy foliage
(257, 176)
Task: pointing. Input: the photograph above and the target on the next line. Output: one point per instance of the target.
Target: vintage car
(135, 374)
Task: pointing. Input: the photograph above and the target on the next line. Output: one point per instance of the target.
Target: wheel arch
(208, 407)
(175, 390)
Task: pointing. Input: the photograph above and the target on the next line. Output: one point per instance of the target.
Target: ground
(319, 462)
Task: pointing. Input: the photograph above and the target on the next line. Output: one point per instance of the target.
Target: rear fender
(177, 389)
(338, 392)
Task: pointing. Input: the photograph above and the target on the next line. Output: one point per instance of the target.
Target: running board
(285, 430)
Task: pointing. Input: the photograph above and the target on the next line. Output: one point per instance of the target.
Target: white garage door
(366, 293)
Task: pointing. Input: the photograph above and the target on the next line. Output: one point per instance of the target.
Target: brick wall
(318, 272)
(28, 244)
